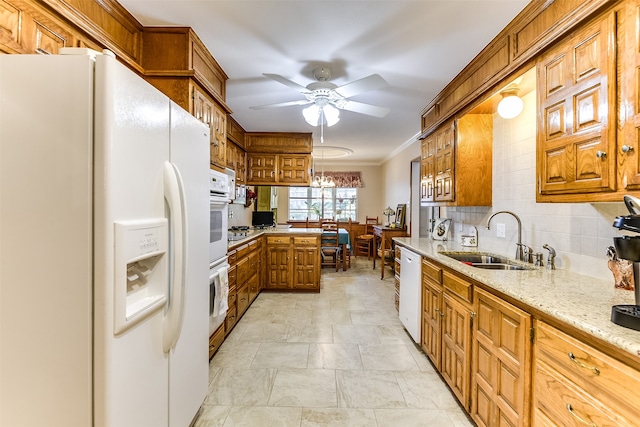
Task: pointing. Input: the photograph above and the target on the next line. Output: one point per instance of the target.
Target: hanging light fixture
(322, 181)
(320, 112)
(511, 104)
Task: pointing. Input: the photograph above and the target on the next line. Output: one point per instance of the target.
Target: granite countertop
(252, 234)
(581, 301)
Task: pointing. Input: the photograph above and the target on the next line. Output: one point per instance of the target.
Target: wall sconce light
(510, 105)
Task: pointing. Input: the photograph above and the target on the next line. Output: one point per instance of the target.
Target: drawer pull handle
(579, 418)
(595, 369)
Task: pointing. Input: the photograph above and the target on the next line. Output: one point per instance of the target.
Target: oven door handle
(174, 194)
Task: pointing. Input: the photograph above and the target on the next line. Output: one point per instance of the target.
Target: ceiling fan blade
(287, 82)
(365, 84)
(368, 109)
(281, 104)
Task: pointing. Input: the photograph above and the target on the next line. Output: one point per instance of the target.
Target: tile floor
(337, 358)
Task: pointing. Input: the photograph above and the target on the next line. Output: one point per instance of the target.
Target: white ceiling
(417, 46)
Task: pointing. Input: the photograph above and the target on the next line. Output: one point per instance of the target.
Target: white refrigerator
(103, 247)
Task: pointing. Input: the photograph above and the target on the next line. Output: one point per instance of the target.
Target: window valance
(346, 179)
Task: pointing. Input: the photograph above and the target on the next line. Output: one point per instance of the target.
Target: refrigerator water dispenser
(140, 271)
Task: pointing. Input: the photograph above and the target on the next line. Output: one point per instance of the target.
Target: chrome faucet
(520, 246)
(551, 260)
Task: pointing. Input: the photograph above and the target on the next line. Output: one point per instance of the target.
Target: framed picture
(400, 214)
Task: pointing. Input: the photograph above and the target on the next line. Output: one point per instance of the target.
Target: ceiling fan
(327, 98)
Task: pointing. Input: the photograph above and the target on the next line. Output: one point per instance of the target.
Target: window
(315, 203)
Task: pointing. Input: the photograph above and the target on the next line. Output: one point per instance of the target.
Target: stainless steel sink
(487, 261)
(498, 266)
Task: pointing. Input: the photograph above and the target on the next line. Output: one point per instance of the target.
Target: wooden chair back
(330, 248)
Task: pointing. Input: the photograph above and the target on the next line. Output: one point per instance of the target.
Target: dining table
(345, 243)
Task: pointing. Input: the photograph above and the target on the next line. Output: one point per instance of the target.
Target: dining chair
(346, 249)
(329, 224)
(364, 242)
(330, 248)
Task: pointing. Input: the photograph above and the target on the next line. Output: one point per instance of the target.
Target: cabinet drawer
(457, 286)
(232, 299)
(241, 252)
(278, 240)
(432, 271)
(233, 276)
(598, 374)
(231, 319)
(215, 341)
(243, 300)
(305, 241)
(232, 257)
(565, 404)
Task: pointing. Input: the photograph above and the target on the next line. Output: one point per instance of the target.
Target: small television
(262, 219)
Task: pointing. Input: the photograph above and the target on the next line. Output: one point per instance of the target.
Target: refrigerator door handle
(174, 194)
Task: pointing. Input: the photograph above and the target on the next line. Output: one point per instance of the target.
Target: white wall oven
(219, 192)
(218, 215)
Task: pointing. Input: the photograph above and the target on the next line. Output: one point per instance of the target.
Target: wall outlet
(501, 231)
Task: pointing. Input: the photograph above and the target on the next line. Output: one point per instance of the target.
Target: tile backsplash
(579, 232)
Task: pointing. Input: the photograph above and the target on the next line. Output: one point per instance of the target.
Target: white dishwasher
(410, 292)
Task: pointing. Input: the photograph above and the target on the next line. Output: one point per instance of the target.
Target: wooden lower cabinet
(575, 384)
(456, 346)
(245, 277)
(446, 331)
(293, 263)
(432, 313)
(215, 340)
(501, 363)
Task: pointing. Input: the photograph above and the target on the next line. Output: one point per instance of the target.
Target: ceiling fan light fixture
(314, 115)
(510, 105)
(331, 114)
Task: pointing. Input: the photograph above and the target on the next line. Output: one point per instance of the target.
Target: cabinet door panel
(432, 310)
(628, 156)
(278, 258)
(294, 169)
(576, 93)
(501, 361)
(456, 344)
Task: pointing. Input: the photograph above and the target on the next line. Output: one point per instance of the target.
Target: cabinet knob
(472, 313)
(626, 148)
(601, 154)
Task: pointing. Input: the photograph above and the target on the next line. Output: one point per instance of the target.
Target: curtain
(346, 179)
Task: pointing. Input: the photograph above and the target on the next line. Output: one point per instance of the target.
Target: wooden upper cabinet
(278, 169)
(278, 158)
(203, 108)
(576, 143)
(219, 137)
(294, 169)
(177, 63)
(179, 52)
(279, 142)
(445, 163)
(456, 162)
(629, 87)
(235, 132)
(44, 27)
